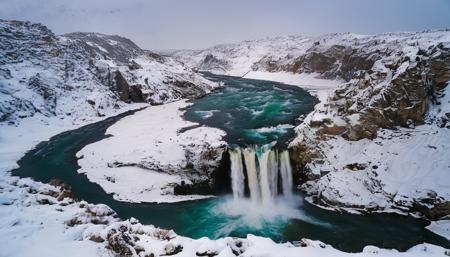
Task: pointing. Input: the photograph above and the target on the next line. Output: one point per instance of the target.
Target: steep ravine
(355, 150)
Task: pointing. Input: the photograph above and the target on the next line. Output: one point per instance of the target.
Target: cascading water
(263, 175)
(237, 173)
(252, 174)
(286, 174)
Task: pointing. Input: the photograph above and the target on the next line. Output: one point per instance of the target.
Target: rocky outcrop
(376, 99)
(335, 61)
(117, 48)
(122, 86)
(397, 94)
(210, 62)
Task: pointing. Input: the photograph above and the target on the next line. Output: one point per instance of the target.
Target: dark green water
(221, 216)
(252, 112)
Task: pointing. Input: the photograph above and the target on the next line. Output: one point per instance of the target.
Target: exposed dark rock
(356, 166)
(122, 86)
(133, 65)
(210, 62)
(437, 211)
(120, 243)
(136, 95)
(336, 61)
(207, 253)
(171, 249)
(96, 239)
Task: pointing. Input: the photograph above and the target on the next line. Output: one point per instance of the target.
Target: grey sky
(169, 24)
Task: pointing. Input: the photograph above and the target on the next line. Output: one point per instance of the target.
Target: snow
(97, 46)
(440, 227)
(160, 79)
(400, 166)
(321, 88)
(304, 80)
(147, 151)
(282, 128)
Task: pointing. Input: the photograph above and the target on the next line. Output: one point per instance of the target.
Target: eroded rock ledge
(379, 141)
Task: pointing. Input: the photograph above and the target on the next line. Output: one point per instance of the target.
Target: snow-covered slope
(43, 220)
(83, 75)
(331, 55)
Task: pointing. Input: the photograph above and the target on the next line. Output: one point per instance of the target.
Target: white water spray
(237, 173)
(286, 174)
(252, 173)
(262, 176)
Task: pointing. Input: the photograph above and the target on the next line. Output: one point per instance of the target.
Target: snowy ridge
(386, 134)
(332, 55)
(72, 79)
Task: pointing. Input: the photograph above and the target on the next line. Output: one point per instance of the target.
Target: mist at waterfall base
(263, 200)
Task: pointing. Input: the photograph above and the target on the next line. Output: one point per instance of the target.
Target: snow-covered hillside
(331, 56)
(83, 75)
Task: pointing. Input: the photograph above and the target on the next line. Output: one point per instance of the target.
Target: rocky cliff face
(396, 92)
(378, 142)
(117, 48)
(81, 75)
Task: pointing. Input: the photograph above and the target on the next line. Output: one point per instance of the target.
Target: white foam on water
(244, 214)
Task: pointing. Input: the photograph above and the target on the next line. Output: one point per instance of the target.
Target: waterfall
(237, 173)
(265, 167)
(273, 165)
(265, 176)
(252, 173)
(286, 174)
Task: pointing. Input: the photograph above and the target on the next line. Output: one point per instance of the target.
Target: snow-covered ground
(37, 221)
(440, 227)
(397, 167)
(148, 154)
(318, 87)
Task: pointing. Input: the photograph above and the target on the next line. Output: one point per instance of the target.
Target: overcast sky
(170, 24)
